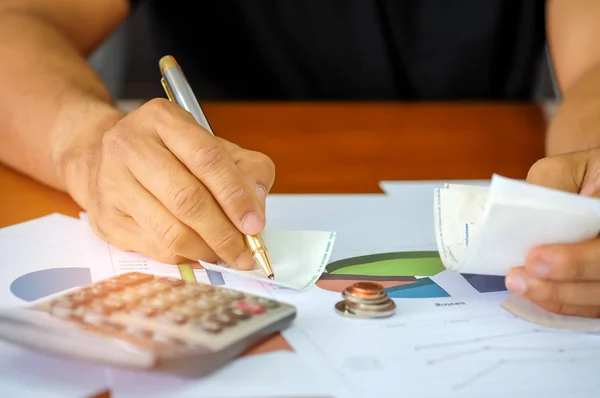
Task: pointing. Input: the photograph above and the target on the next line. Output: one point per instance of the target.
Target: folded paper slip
(298, 258)
(533, 313)
(489, 230)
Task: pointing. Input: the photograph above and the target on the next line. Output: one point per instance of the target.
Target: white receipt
(298, 258)
(488, 231)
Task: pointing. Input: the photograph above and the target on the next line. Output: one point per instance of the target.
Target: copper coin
(370, 300)
(365, 289)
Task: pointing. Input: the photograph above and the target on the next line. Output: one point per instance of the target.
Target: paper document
(488, 231)
(298, 258)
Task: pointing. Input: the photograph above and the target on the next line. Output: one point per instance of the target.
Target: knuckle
(269, 166)
(226, 240)
(209, 157)
(188, 202)
(172, 238)
(160, 109)
(234, 194)
(116, 140)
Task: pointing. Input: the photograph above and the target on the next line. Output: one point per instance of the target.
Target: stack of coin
(365, 300)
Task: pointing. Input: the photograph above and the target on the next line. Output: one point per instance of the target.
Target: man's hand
(159, 184)
(564, 278)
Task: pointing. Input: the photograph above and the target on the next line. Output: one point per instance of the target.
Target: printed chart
(471, 350)
(38, 284)
(403, 274)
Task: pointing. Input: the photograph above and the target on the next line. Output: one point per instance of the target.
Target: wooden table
(347, 148)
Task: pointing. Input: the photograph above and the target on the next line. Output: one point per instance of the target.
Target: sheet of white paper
(404, 189)
(276, 374)
(24, 373)
(468, 347)
(298, 258)
(489, 231)
(54, 230)
(40, 258)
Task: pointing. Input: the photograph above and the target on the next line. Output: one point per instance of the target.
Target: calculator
(148, 322)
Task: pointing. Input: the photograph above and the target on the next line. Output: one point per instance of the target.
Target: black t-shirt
(353, 49)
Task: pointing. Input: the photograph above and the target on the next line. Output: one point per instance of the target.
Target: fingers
(167, 236)
(574, 310)
(565, 262)
(519, 282)
(206, 158)
(125, 234)
(187, 199)
(563, 172)
(258, 171)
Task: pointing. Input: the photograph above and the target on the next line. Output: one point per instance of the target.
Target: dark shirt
(352, 49)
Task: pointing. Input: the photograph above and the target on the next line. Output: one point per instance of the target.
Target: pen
(179, 91)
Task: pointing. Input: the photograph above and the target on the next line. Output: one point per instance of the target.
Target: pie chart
(42, 283)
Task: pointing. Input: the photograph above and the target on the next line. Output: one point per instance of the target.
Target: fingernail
(516, 284)
(542, 262)
(245, 261)
(540, 268)
(261, 193)
(252, 224)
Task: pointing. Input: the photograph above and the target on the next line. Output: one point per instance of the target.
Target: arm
(152, 181)
(50, 96)
(573, 32)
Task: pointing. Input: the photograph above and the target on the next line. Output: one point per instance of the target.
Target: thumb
(566, 172)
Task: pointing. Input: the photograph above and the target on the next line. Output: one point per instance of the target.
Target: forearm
(576, 124)
(51, 101)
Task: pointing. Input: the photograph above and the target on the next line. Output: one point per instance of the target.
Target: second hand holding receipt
(179, 91)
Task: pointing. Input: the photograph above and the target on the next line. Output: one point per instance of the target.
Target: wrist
(77, 146)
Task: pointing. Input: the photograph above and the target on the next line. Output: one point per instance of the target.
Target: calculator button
(113, 285)
(190, 291)
(171, 281)
(209, 326)
(63, 303)
(158, 287)
(232, 294)
(134, 278)
(129, 298)
(157, 303)
(224, 318)
(99, 290)
(94, 317)
(203, 305)
(238, 313)
(186, 310)
(144, 291)
(61, 312)
(113, 304)
(266, 302)
(142, 311)
(172, 318)
(168, 339)
(80, 297)
(250, 307)
(174, 297)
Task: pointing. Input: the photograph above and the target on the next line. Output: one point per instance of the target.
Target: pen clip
(167, 89)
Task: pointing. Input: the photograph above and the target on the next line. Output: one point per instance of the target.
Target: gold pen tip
(271, 277)
(167, 62)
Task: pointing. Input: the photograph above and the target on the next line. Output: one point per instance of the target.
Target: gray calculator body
(147, 322)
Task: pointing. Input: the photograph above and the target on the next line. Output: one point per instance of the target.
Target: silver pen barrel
(180, 91)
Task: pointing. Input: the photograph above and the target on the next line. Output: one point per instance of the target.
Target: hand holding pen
(158, 183)
(179, 91)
